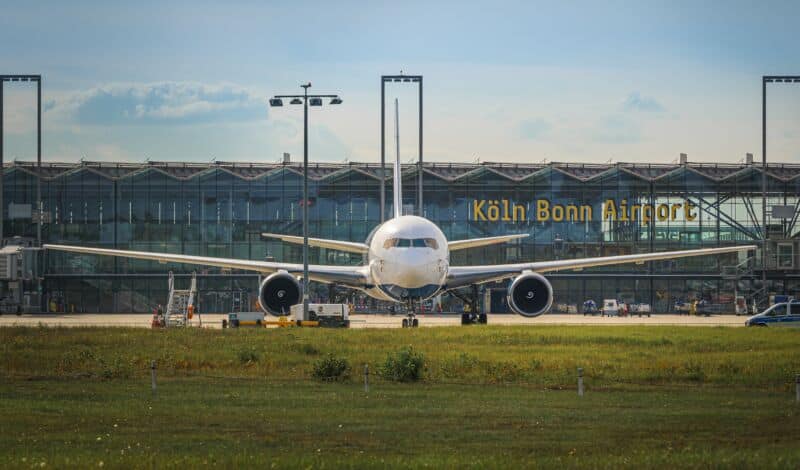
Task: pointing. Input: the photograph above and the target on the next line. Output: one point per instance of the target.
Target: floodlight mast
(277, 101)
(39, 213)
(400, 79)
(764, 80)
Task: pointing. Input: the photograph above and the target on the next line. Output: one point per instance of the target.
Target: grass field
(489, 397)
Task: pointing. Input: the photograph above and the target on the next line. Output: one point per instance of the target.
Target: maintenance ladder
(179, 301)
(747, 283)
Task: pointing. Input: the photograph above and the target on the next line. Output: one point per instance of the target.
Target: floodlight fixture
(315, 101)
(275, 102)
(336, 100)
(296, 101)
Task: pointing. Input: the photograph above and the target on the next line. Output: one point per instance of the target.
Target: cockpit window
(409, 243)
(431, 243)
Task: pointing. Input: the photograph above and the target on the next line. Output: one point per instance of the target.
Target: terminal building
(568, 210)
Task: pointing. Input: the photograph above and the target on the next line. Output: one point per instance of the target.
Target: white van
(610, 308)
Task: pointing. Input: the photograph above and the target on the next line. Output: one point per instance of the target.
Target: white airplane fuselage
(408, 259)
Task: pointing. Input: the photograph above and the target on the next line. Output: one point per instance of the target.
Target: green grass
(489, 397)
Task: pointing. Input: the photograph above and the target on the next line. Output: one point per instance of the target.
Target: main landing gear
(473, 317)
(411, 320)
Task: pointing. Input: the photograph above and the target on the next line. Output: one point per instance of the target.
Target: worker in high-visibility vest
(191, 311)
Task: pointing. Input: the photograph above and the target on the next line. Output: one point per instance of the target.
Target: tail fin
(397, 187)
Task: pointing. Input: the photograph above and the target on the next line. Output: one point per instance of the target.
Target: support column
(2, 212)
(383, 150)
(39, 162)
(764, 187)
(419, 184)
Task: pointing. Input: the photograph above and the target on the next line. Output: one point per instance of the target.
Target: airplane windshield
(411, 243)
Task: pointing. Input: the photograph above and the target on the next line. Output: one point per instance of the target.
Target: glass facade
(568, 211)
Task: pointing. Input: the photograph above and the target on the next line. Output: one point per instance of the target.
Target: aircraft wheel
(482, 319)
(415, 323)
(405, 322)
(465, 319)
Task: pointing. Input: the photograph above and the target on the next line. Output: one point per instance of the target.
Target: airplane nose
(417, 270)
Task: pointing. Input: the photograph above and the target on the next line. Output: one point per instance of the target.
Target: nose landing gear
(411, 320)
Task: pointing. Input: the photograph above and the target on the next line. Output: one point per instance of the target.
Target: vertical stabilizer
(397, 187)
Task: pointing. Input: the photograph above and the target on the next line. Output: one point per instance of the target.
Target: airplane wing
(473, 242)
(352, 247)
(349, 276)
(459, 276)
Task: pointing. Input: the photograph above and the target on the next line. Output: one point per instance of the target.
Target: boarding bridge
(178, 304)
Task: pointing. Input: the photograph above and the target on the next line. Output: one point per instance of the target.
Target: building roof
(450, 172)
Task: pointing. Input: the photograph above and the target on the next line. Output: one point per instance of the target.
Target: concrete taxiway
(375, 320)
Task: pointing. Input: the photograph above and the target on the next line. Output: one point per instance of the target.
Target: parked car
(640, 309)
(610, 308)
(590, 308)
(780, 314)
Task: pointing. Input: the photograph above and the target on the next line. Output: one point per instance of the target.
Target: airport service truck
(327, 315)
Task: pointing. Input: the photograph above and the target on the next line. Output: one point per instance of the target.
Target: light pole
(764, 80)
(314, 100)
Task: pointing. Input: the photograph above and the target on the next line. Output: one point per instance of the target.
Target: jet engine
(278, 293)
(530, 295)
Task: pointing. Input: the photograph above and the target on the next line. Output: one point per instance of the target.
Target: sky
(504, 81)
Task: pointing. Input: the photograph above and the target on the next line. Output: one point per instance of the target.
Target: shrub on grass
(248, 356)
(405, 365)
(306, 348)
(502, 372)
(331, 368)
(117, 368)
(694, 371)
(458, 366)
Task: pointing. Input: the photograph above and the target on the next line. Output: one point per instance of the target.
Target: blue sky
(632, 81)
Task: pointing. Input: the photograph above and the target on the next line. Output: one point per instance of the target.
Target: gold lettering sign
(505, 210)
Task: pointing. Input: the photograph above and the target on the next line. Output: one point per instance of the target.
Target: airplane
(406, 260)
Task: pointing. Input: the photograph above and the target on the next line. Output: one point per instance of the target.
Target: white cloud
(176, 103)
(637, 102)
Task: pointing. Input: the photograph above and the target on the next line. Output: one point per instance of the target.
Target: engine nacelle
(278, 293)
(530, 295)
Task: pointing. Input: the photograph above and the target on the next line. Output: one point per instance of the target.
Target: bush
(331, 368)
(306, 348)
(458, 366)
(116, 369)
(405, 365)
(694, 371)
(502, 372)
(247, 356)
